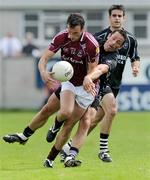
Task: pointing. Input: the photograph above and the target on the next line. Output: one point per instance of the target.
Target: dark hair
(116, 7)
(75, 19)
(122, 32)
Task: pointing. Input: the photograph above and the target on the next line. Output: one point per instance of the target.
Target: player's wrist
(87, 77)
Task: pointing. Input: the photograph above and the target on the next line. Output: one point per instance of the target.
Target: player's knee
(112, 111)
(65, 114)
(85, 123)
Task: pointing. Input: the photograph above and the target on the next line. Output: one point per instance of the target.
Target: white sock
(66, 148)
(22, 136)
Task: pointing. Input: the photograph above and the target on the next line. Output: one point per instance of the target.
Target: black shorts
(106, 90)
(115, 91)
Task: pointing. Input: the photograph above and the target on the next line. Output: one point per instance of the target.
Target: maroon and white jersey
(77, 53)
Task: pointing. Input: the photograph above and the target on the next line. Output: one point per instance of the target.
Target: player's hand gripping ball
(62, 71)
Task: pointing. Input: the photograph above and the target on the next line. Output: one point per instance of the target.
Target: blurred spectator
(10, 46)
(29, 49)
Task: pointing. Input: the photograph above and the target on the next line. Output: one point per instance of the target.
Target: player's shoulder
(102, 34)
(62, 34)
(89, 39)
(130, 35)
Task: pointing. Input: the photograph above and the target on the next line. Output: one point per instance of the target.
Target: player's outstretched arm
(98, 71)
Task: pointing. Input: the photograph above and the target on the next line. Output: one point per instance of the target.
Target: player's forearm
(44, 59)
(98, 71)
(42, 64)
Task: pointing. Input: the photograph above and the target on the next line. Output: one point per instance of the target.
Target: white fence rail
(18, 84)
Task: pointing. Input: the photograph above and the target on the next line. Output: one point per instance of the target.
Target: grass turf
(129, 143)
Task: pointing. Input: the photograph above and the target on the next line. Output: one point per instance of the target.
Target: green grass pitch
(129, 143)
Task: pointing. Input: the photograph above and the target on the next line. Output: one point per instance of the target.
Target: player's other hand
(48, 79)
(89, 86)
(135, 68)
(135, 71)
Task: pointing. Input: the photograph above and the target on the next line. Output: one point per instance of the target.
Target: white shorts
(83, 98)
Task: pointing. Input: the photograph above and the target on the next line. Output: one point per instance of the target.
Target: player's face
(75, 33)
(114, 42)
(116, 19)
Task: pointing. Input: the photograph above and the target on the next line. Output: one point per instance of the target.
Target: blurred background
(31, 25)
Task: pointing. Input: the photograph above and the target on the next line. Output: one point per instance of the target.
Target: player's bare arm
(46, 76)
(98, 71)
(93, 75)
